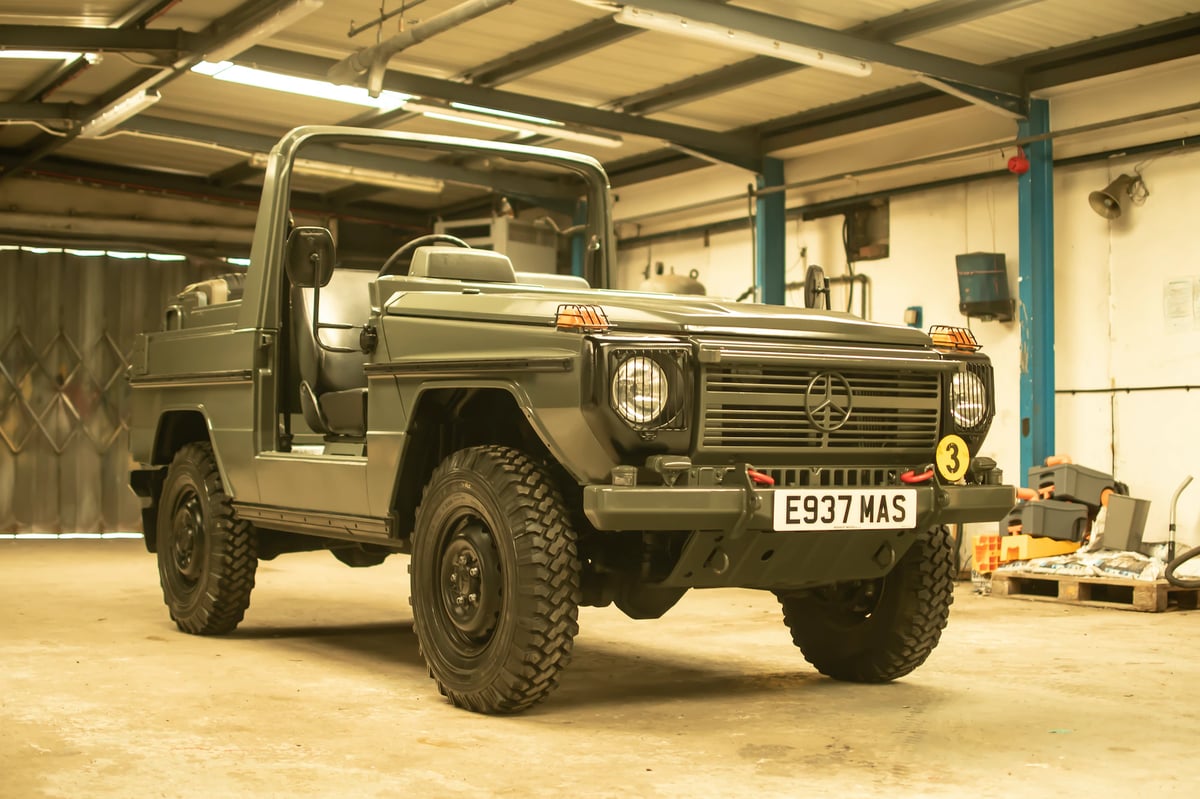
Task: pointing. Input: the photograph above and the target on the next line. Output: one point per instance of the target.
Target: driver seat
(333, 385)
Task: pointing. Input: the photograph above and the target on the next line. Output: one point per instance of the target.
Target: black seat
(333, 386)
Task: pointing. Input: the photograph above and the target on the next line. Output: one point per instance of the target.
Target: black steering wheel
(403, 254)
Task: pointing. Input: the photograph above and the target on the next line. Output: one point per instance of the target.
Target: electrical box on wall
(867, 231)
(983, 286)
(530, 246)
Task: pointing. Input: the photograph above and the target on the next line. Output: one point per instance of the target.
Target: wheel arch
(176, 428)
(450, 417)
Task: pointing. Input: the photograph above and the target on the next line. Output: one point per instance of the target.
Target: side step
(330, 525)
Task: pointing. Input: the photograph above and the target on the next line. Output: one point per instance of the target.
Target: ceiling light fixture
(265, 29)
(308, 87)
(357, 174)
(741, 40)
(49, 55)
(117, 112)
(516, 123)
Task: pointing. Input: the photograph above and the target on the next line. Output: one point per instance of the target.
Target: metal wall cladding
(67, 326)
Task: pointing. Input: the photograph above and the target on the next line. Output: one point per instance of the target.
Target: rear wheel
(206, 555)
(877, 630)
(495, 580)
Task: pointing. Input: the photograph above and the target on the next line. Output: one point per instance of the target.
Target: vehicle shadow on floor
(602, 673)
(382, 643)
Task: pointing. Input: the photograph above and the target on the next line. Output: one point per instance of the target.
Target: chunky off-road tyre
(495, 580)
(877, 630)
(206, 555)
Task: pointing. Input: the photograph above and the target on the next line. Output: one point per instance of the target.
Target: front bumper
(662, 508)
(730, 539)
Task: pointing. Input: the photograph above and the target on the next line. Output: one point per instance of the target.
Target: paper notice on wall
(1181, 304)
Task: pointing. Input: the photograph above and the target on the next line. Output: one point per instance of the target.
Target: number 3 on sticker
(952, 458)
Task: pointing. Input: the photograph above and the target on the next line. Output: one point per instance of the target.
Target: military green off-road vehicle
(536, 445)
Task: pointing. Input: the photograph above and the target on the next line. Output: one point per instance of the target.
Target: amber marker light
(953, 338)
(582, 319)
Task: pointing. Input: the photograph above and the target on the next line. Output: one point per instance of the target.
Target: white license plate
(845, 509)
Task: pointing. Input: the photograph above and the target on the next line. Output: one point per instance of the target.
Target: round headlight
(968, 399)
(639, 390)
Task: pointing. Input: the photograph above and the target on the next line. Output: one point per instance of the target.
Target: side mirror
(309, 257)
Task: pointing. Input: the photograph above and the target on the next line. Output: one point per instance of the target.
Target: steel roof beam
(190, 132)
(89, 40)
(136, 16)
(1132, 49)
(39, 112)
(222, 30)
(1138, 47)
(850, 45)
(563, 47)
(189, 187)
(41, 88)
(142, 13)
(740, 149)
(893, 28)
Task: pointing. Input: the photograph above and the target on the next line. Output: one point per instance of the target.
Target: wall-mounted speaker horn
(1108, 201)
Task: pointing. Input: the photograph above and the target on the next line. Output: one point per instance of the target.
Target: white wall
(1110, 277)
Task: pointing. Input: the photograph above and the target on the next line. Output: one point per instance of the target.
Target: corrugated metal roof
(619, 63)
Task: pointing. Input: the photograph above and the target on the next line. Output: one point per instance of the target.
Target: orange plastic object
(1027, 493)
(953, 338)
(1059, 460)
(1046, 492)
(582, 318)
(989, 551)
(985, 555)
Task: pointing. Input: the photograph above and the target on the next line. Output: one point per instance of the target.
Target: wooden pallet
(1097, 592)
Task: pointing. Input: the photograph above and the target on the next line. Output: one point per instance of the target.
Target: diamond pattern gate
(67, 325)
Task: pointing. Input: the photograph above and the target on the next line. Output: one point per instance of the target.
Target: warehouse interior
(745, 142)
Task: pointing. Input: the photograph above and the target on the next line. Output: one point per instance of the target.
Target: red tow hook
(758, 478)
(911, 477)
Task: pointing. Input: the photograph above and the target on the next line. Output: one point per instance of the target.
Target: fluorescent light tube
(123, 109)
(308, 87)
(49, 55)
(265, 29)
(358, 174)
(741, 40)
(517, 123)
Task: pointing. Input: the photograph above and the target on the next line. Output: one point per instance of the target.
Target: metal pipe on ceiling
(372, 61)
(828, 207)
(110, 228)
(927, 160)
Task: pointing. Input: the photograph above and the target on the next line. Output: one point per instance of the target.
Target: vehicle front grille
(818, 478)
(748, 407)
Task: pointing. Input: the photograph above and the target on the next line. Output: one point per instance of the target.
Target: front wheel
(875, 631)
(495, 580)
(206, 555)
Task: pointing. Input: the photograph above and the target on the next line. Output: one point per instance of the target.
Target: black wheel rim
(470, 583)
(187, 537)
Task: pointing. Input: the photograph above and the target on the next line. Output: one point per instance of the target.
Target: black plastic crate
(1048, 518)
(1070, 482)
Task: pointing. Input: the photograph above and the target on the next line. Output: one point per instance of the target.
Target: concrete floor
(321, 692)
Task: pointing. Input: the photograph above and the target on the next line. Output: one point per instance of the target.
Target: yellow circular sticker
(952, 458)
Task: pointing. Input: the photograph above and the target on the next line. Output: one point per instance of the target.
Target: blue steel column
(1035, 210)
(578, 243)
(770, 231)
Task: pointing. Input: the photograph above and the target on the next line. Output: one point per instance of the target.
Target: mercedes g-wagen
(534, 444)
